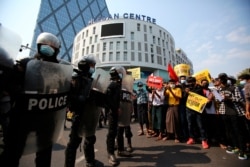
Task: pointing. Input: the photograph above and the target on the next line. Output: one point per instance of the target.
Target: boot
(112, 160)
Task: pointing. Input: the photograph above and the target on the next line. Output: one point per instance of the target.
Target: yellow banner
(136, 72)
(196, 102)
(204, 74)
(182, 70)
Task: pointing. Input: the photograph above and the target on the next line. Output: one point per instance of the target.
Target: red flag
(171, 73)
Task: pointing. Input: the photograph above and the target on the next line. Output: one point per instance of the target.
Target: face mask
(46, 50)
(229, 82)
(120, 75)
(183, 81)
(243, 82)
(91, 70)
(172, 85)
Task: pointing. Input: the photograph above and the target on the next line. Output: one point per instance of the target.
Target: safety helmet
(46, 38)
(85, 62)
(117, 72)
(139, 84)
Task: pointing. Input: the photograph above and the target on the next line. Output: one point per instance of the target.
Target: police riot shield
(95, 102)
(126, 105)
(10, 43)
(43, 103)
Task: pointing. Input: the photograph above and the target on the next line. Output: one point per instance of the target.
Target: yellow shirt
(171, 99)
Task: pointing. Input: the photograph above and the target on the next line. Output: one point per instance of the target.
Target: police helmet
(117, 72)
(47, 38)
(85, 63)
(139, 84)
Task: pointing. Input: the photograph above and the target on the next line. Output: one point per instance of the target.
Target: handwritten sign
(204, 74)
(196, 102)
(154, 81)
(182, 70)
(136, 72)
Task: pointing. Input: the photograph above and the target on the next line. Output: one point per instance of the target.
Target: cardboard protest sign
(136, 72)
(204, 74)
(182, 70)
(196, 102)
(154, 81)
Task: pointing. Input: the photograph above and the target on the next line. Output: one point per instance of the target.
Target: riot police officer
(36, 81)
(78, 100)
(113, 101)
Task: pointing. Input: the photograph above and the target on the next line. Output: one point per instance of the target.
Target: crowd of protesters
(224, 122)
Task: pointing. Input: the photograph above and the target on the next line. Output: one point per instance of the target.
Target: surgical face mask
(183, 81)
(243, 82)
(172, 85)
(47, 50)
(229, 82)
(120, 75)
(91, 70)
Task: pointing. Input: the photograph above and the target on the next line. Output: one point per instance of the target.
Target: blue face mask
(243, 82)
(46, 50)
(91, 70)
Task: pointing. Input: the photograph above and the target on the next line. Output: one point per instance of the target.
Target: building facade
(131, 41)
(65, 19)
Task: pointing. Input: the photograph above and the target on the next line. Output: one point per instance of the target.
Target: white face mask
(172, 85)
(183, 81)
(243, 82)
(91, 70)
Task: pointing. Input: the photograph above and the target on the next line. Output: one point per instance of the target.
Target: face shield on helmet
(87, 64)
(48, 44)
(117, 72)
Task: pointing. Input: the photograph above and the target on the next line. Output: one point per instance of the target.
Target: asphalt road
(147, 153)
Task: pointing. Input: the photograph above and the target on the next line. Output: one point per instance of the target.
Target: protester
(233, 117)
(174, 95)
(142, 108)
(195, 118)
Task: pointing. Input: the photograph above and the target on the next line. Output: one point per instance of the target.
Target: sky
(214, 34)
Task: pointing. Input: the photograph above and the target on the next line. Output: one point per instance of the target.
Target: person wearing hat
(233, 117)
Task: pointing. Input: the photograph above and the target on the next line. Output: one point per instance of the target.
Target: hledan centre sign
(126, 16)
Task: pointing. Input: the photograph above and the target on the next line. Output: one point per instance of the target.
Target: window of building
(87, 50)
(132, 56)
(159, 41)
(158, 50)
(125, 45)
(104, 46)
(94, 29)
(150, 29)
(110, 56)
(98, 47)
(83, 44)
(153, 39)
(87, 33)
(152, 58)
(160, 33)
(164, 35)
(83, 51)
(103, 57)
(146, 57)
(118, 45)
(92, 48)
(138, 27)
(139, 46)
(165, 61)
(96, 37)
(132, 45)
(145, 28)
(117, 56)
(145, 37)
(111, 45)
(82, 35)
(163, 43)
(152, 48)
(125, 56)
(145, 47)
(78, 38)
(159, 60)
(139, 57)
(132, 35)
(90, 40)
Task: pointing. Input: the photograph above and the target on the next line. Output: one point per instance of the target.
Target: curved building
(131, 41)
(65, 19)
